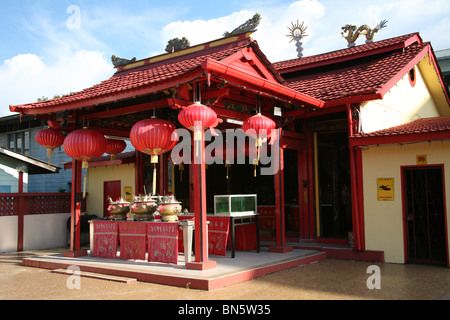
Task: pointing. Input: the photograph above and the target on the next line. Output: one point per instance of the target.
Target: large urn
(144, 210)
(119, 210)
(169, 211)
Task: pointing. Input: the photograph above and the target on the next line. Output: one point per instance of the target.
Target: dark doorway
(291, 208)
(425, 214)
(333, 164)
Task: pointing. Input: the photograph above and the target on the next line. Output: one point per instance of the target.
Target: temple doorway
(333, 189)
(423, 191)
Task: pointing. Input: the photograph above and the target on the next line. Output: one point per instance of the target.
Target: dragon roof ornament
(351, 34)
(249, 25)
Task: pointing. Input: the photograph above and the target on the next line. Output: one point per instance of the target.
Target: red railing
(34, 203)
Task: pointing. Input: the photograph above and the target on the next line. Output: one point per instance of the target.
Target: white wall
(8, 233)
(43, 231)
(402, 104)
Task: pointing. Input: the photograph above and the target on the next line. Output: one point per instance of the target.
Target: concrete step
(97, 276)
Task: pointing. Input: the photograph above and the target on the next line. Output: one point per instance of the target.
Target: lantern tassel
(154, 179)
(84, 187)
(49, 154)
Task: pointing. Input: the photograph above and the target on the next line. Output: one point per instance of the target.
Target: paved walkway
(324, 280)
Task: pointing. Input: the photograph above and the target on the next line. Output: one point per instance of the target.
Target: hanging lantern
(153, 137)
(258, 127)
(114, 147)
(85, 145)
(197, 117)
(50, 139)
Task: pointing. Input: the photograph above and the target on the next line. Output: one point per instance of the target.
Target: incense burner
(169, 211)
(144, 210)
(119, 210)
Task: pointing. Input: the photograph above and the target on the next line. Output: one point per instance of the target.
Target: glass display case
(235, 204)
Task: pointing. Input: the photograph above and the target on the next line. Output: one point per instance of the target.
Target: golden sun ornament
(297, 31)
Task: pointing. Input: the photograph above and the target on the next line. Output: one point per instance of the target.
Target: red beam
(108, 98)
(259, 83)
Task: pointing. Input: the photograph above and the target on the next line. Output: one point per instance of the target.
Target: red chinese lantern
(197, 117)
(258, 127)
(114, 147)
(50, 139)
(153, 137)
(85, 145)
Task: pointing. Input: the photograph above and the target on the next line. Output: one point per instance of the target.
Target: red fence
(34, 203)
(22, 204)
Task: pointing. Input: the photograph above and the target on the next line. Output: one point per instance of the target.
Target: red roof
(359, 71)
(426, 125)
(347, 54)
(150, 71)
(427, 129)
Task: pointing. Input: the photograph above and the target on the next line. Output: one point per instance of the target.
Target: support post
(20, 214)
(280, 243)
(354, 189)
(201, 231)
(75, 205)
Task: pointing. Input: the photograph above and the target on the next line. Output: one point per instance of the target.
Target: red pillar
(201, 231)
(280, 239)
(20, 214)
(75, 204)
(357, 240)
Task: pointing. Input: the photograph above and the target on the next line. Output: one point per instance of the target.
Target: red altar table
(138, 238)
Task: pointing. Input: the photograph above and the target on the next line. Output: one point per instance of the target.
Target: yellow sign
(385, 188)
(128, 193)
(421, 159)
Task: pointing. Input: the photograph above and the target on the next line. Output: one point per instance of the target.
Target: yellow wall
(383, 220)
(95, 178)
(402, 104)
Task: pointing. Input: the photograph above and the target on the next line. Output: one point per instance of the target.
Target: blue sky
(49, 48)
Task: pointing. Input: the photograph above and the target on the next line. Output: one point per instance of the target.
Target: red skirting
(132, 240)
(245, 237)
(163, 242)
(106, 234)
(218, 229)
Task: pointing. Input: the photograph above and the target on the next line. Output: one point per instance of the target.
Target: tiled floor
(324, 280)
(245, 266)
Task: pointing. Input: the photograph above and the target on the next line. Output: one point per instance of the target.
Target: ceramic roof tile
(360, 76)
(148, 74)
(347, 53)
(426, 125)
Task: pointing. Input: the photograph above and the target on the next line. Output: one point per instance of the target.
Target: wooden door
(111, 189)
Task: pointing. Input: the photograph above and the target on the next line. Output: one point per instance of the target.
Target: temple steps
(94, 275)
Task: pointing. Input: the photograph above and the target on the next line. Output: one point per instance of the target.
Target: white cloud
(271, 34)
(199, 31)
(25, 77)
(324, 19)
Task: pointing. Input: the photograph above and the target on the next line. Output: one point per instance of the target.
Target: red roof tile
(347, 54)
(426, 125)
(356, 71)
(363, 76)
(147, 73)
